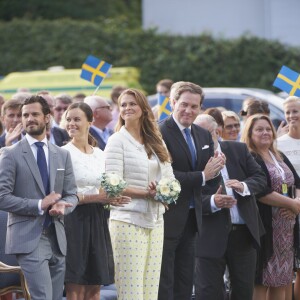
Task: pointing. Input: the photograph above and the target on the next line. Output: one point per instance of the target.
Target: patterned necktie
(42, 164)
(189, 141)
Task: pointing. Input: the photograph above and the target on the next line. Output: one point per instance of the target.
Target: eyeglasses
(231, 126)
(106, 107)
(58, 108)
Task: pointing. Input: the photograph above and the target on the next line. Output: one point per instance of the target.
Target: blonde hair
(291, 99)
(230, 114)
(247, 135)
(151, 135)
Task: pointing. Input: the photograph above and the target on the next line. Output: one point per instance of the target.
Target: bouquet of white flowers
(112, 184)
(167, 190)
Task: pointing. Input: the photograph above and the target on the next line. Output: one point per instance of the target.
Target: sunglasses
(231, 126)
(106, 107)
(57, 108)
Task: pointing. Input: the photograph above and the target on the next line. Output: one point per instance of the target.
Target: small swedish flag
(164, 109)
(288, 81)
(94, 70)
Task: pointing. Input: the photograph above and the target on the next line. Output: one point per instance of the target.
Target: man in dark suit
(37, 187)
(102, 116)
(11, 120)
(191, 150)
(60, 136)
(231, 225)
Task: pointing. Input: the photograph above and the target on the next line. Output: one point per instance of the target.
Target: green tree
(75, 9)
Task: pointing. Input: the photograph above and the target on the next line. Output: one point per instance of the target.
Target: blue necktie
(105, 135)
(189, 141)
(42, 164)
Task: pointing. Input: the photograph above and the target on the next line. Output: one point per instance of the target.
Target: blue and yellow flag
(288, 81)
(94, 70)
(164, 108)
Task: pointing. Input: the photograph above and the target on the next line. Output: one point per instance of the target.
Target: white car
(232, 99)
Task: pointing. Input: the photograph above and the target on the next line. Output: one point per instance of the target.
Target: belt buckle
(233, 227)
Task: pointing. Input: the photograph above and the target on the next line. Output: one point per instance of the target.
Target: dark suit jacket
(216, 226)
(2, 140)
(97, 137)
(191, 180)
(60, 136)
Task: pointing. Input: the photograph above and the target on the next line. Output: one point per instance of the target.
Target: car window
(228, 103)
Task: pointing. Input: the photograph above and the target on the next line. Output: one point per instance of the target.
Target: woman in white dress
(289, 144)
(89, 260)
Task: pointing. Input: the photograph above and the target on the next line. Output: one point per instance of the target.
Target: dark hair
(89, 115)
(1, 128)
(116, 92)
(38, 99)
(167, 83)
(255, 106)
(258, 107)
(64, 98)
(216, 114)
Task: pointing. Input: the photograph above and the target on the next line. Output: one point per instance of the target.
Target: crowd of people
(233, 232)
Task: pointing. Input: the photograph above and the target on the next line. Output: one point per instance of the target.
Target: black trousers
(177, 270)
(240, 257)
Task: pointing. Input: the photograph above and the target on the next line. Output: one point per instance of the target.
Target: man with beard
(37, 187)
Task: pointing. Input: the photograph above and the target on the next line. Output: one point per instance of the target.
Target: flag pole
(96, 90)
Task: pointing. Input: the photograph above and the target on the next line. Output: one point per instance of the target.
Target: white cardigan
(128, 158)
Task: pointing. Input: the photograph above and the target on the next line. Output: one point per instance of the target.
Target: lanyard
(278, 167)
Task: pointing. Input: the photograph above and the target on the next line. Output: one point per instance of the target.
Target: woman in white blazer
(137, 153)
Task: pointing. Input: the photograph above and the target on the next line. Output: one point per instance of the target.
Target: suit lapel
(177, 134)
(52, 165)
(101, 143)
(198, 146)
(231, 168)
(31, 162)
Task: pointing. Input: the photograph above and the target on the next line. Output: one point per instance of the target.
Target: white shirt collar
(181, 127)
(32, 140)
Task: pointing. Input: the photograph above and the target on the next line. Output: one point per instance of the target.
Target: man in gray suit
(37, 187)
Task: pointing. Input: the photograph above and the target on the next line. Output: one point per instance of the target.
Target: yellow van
(58, 80)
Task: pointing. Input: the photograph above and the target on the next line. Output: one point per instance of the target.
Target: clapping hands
(214, 165)
(223, 201)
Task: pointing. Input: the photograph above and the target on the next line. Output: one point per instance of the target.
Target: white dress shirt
(234, 211)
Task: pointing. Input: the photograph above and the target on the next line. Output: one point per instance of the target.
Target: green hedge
(247, 61)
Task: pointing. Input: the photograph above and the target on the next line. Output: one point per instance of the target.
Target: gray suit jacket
(21, 188)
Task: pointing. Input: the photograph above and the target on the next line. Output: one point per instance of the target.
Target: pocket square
(205, 147)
